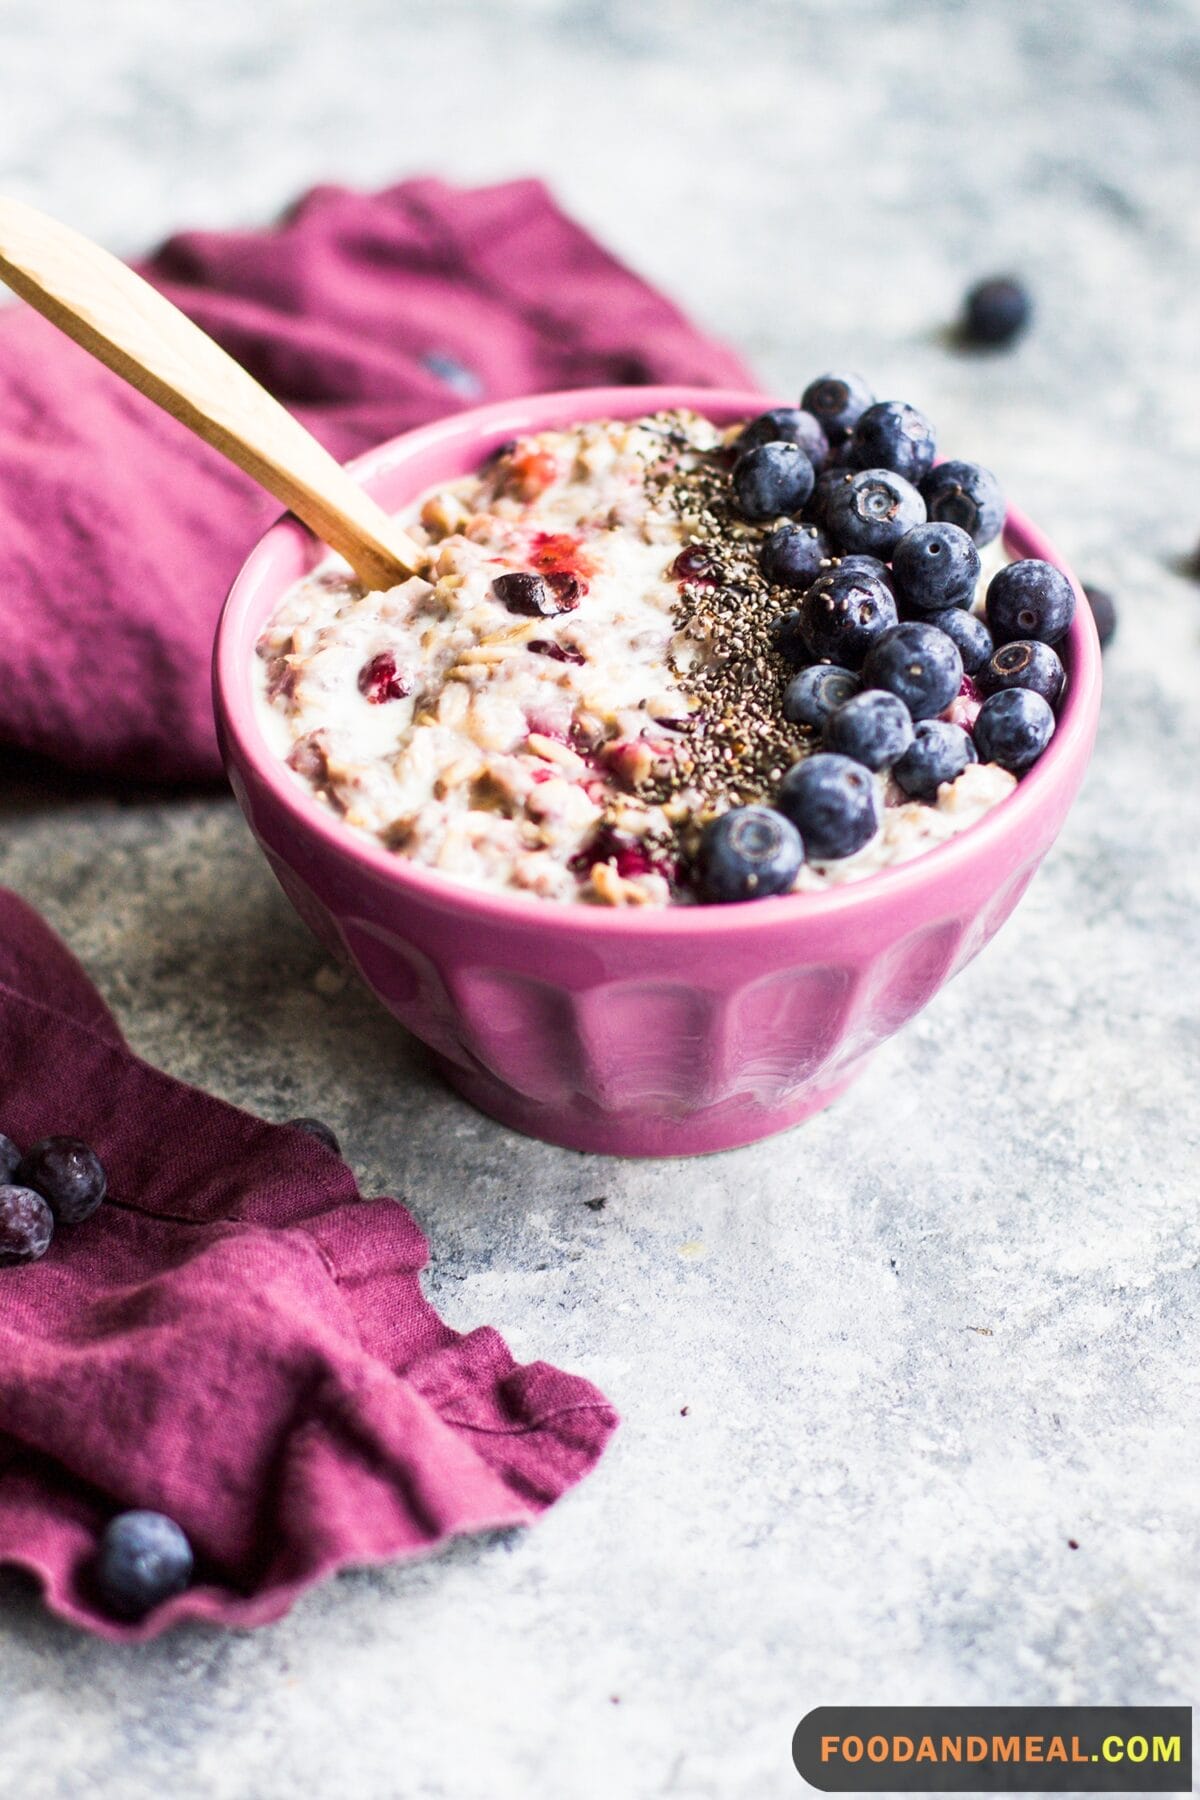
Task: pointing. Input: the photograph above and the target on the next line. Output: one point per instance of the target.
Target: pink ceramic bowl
(650, 1032)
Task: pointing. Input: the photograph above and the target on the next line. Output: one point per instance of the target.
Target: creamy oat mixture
(559, 704)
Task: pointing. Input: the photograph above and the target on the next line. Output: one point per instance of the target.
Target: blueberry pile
(59, 1181)
(143, 1557)
(879, 550)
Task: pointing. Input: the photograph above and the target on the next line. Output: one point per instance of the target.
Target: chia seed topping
(738, 743)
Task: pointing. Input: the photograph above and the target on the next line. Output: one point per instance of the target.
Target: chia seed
(737, 742)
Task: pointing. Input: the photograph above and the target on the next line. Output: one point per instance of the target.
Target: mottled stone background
(939, 1331)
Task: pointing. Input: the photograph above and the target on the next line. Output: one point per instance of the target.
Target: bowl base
(580, 1125)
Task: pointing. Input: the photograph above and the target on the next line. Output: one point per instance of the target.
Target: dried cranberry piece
(531, 472)
(281, 679)
(309, 758)
(563, 653)
(379, 680)
(556, 550)
(566, 588)
(536, 596)
(695, 563)
(629, 855)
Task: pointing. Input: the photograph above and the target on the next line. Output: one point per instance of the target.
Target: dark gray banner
(996, 1749)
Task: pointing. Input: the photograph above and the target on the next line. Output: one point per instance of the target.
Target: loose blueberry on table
(143, 1559)
(1104, 612)
(26, 1225)
(996, 311)
(58, 1181)
(317, 1128)
(69, 1176)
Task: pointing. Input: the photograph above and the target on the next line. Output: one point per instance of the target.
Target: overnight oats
(661, 661)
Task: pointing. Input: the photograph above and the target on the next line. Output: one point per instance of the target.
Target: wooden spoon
(124, 322)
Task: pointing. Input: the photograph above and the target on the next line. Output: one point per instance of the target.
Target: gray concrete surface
(943, 1329)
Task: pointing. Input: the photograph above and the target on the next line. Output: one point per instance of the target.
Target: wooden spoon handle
(124, 322)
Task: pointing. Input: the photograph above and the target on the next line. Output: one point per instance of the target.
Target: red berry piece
(531, 472)
(522, 592)
(558, 553)
(380, 681)
(309, 757)
(566, 588)
(563, 653)
(629, 856)
(695, 563)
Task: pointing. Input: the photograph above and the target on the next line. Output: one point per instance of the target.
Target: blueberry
(892, 435)
(1104, 612)
(939, 752)
(1030, 599)
(791, 556)
(318, 1129)
(969, 632)
(815, 692)
(786, 425)
(143, 1559)
(919, 664)
(996, 311)
(455, 374)
(522, 592)
(772, 479)
(1024, 663)
(842, 615)
(873, 728)
(833, 802)
(816, 509)
(1013, 728)
(749, 853)
(869, 512)
(787, 635)
(868, 565)
(67, 1174)
(10, 1156)
(841, 457)
(935, 566)
(26, 1225)
(964, 494)
(837, 402)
